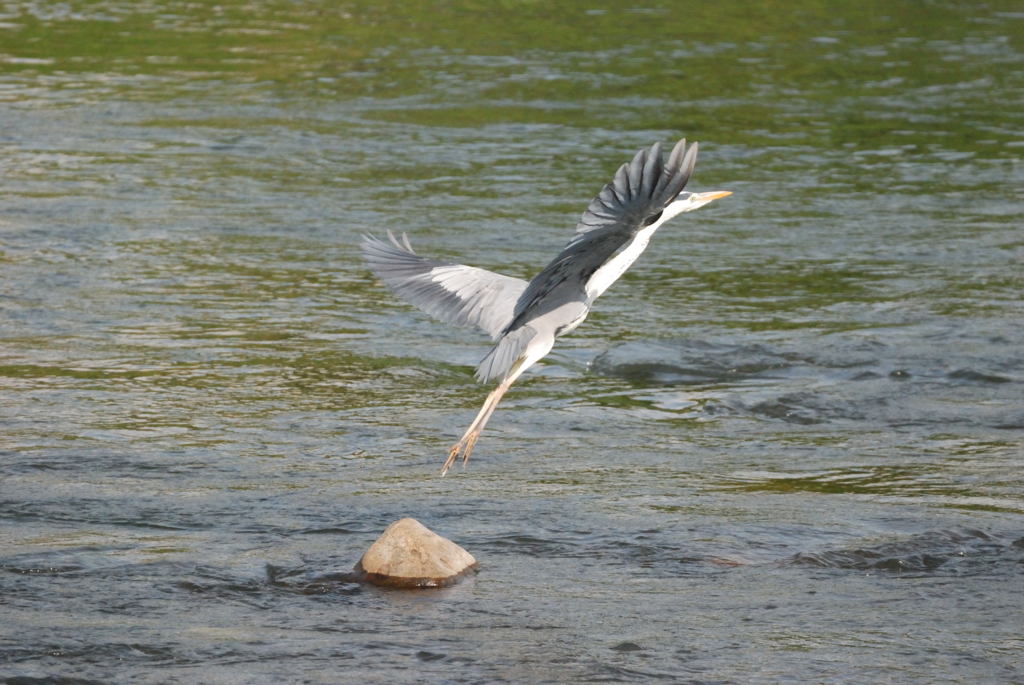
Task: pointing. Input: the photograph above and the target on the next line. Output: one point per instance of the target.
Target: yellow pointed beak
(714, 195)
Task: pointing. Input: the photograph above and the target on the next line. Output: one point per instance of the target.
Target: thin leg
(465, 445)
(535, 350)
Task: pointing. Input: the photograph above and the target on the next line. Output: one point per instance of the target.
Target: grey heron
(524, 318)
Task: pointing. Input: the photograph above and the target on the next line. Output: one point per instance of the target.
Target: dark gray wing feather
(640, 190)
(454, 293)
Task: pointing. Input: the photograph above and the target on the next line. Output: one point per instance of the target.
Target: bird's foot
(453, 454)
(463, 447)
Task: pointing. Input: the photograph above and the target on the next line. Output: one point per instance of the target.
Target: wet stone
(410, 555)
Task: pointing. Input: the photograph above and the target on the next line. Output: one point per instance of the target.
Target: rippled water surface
(786, 446)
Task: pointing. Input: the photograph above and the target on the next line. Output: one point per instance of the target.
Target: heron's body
(524, 318)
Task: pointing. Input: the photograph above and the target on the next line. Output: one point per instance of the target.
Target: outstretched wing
(453, 293)
(639, 192)
(635, 197)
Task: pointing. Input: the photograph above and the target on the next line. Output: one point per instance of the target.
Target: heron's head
(687, 202)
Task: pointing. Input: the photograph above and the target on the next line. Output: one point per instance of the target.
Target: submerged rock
(410, 555)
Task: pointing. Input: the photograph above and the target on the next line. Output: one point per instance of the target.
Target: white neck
(617, 265)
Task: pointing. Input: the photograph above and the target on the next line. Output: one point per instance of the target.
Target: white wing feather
(453, 293)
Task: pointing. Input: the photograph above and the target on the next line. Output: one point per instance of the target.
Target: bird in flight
(523, 318)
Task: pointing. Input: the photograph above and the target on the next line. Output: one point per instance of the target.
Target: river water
(786, 446)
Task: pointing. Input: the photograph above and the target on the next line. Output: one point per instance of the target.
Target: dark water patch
(226, 589)
(960, 553)
(83, 651)
(263, 592)
(878, 479)
(616, 673)
(329, 530)
(534, 545)
(978, 377)
(665, 553)
(952, 473)
(688, 362)
(38, 570)
(100, 460)
(873, 378)
(305, 582)
(802, 408)
(50, 680)
(95, 511)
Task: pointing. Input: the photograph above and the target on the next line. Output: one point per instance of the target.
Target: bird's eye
(651, 219)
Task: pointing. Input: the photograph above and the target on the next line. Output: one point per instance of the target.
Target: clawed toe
(463, 447)
(453, 454)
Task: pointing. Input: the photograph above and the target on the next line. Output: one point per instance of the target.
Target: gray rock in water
(410, 555)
